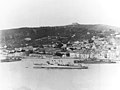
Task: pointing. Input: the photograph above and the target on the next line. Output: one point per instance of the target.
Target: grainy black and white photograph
(59, 45)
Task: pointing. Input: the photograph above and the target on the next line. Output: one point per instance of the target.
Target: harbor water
(21, 76)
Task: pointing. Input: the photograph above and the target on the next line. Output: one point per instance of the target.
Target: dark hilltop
(36, 36)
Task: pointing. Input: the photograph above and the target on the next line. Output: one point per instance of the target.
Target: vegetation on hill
(37, 36)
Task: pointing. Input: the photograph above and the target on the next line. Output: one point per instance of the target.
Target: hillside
(36, 36)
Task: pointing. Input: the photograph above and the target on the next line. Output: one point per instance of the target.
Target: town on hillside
(96, 48)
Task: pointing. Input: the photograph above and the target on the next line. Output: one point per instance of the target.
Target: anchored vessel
(61, 67)
(11, 59)
(60, 64)
(96, 61)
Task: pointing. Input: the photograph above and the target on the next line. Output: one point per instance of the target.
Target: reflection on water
(14, 76)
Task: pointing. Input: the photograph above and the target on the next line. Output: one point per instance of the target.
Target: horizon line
(75, 23)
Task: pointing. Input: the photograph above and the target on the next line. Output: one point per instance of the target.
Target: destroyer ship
(59, 64)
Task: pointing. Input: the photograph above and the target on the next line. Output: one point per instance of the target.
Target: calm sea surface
(15, 76)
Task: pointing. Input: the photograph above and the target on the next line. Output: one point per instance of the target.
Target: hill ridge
(74, 32)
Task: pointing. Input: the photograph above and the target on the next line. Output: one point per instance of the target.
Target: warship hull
(59, 67)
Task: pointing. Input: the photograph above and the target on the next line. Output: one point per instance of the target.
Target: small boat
(11, 59)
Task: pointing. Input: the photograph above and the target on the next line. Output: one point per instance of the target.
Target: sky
(32, 13)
